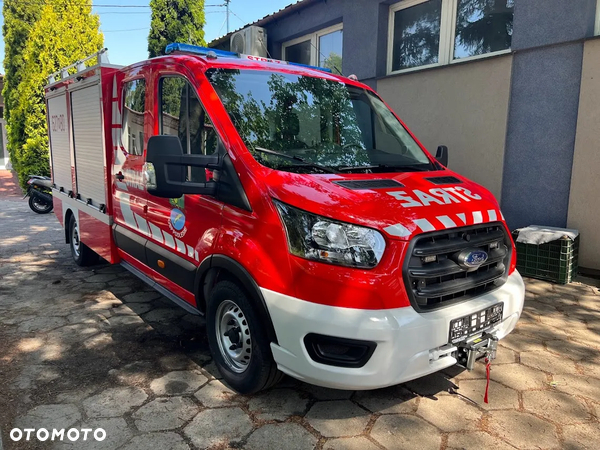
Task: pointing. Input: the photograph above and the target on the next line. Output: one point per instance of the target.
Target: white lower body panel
(409, 344)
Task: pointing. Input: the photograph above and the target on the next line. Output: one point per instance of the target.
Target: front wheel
(237, 340)
(38, 205)
(82, 254)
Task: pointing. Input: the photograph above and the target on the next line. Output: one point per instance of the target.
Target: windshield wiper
(405, 168)
(297, 158)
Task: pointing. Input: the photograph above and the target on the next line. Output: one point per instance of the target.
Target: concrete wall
(463, 106)
(545, 22)
(541, 135)
(584, 207)
(548, 41)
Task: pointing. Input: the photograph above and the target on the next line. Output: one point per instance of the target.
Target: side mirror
(166, 168)
(442, 155)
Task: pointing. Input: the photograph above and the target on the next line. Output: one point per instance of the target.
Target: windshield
(313, 120)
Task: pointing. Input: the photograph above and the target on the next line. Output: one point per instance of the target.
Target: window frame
(314, 41)
(190, 86)
(448, 18)
(125, 83)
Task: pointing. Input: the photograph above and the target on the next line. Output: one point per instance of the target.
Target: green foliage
(19, 18)
(272, 112)
(66, 32)
(333, 62)
(175, 21)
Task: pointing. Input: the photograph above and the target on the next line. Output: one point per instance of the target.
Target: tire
(39, 206)
(82, 254)
(249, 368)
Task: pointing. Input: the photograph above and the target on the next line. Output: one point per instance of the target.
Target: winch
(481, 347)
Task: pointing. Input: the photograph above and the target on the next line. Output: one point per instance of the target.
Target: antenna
(227, 12)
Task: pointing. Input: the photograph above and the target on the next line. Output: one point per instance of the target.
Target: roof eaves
(299, 4)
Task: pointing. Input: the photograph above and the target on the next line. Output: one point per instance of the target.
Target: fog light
(340, 352)
(428, 259)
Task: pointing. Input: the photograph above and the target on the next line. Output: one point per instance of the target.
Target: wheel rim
(75, 243)
(233, 336)
(42, 206)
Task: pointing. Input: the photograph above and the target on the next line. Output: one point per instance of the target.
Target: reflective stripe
(477, 217)
(397, 230)
(156, 232)
(462, 217)
(446, 221)
(424, 224)
(169, 240)
(180, 246)
(142, 224)
(124, 202)
(190, 251)
(492, 215)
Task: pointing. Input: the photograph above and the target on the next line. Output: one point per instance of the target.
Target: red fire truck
(289, 206)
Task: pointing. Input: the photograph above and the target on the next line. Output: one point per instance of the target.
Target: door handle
(120, 176)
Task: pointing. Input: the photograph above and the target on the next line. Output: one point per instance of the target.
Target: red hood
(416, 205)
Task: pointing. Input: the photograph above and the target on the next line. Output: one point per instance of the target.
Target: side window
(134, 105)
(183, 115)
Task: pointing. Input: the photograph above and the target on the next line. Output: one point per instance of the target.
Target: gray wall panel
(541, 135)
(545, 22)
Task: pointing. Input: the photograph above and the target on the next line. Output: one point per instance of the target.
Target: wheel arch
(215, 268)
(67, 220)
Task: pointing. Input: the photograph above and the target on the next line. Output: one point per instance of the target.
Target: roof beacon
(211, 53)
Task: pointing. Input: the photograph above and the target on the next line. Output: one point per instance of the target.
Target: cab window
(183, 115)
(134, 101)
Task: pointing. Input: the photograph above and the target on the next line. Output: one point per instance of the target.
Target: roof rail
(101, 55)
(216, 53)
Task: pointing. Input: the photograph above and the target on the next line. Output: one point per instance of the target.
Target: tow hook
(481, 347)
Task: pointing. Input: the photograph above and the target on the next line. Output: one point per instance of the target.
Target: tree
(66, 32)
(175, 21)
(484, 26)
(333, 61)
(19, 17)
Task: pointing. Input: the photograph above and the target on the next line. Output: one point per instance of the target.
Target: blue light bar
(203, 51)
(197, 50)
(322, 69)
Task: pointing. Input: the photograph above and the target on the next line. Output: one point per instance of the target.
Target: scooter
(39, 191)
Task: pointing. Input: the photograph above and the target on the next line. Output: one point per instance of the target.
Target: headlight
(321, 239)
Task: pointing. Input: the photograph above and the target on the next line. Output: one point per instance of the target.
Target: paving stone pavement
(95, 347)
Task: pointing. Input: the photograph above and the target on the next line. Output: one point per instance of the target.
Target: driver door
(181, 228)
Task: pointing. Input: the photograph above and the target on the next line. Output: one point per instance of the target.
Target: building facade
(512, 87)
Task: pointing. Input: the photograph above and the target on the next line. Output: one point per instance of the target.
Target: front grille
(444, 281)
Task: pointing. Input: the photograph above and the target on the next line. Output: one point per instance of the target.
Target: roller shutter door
(88, 143)
(59, 142)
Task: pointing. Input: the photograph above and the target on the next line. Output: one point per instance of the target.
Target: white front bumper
(408, 342)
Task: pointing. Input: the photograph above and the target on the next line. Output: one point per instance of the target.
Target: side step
(153, 284)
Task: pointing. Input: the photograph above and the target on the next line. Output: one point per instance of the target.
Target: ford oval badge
(471, 259)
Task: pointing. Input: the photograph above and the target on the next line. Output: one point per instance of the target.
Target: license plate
(476, 323)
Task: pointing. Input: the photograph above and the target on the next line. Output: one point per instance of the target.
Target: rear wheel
(38, 205)
(237, 340)
(82, 254)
